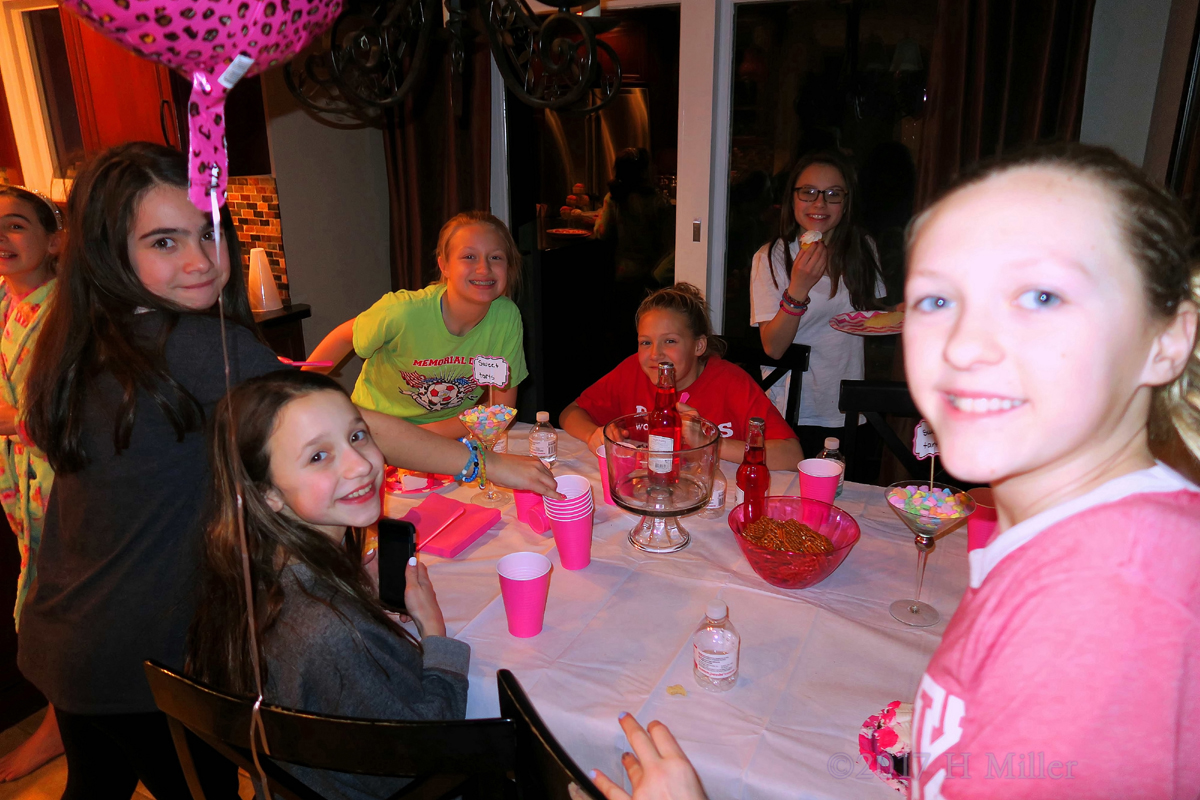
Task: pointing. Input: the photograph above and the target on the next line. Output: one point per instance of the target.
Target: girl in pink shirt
(1050, 339)
(1051, 331)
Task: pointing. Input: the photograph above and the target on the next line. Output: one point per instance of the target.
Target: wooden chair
(544, 770)
(750, 356)
(467, 758)
(874, 399)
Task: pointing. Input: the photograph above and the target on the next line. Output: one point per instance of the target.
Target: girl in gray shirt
(311, 479)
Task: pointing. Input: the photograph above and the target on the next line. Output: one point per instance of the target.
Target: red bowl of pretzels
(797, 543)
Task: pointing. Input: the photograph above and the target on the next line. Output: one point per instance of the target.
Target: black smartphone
(397, 544)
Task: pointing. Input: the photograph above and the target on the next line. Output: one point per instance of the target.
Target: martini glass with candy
(486, 423)
(928, 509)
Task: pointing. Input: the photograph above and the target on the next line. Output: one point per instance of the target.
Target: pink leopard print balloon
(216, 43)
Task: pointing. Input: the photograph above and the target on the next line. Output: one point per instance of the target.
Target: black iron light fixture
(372, 57)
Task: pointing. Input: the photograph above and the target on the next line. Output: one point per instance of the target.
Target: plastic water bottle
(543, 440)
(715, 649)
(831, 451)
(716, 501)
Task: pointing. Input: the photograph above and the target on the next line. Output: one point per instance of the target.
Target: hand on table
(522, 472)
(421, 601)
(807, 269)
(691, 421)
(657, 767)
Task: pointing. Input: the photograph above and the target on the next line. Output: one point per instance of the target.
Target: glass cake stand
(679, 483)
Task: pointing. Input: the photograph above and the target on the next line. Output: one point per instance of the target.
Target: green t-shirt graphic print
(416, 369)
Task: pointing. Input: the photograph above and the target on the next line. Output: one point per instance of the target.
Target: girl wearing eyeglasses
(795, 290)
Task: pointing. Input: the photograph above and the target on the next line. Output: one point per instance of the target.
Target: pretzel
(788, 535)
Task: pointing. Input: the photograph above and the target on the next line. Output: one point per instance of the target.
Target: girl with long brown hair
(310, 477)
(797, 285)
(129, 365)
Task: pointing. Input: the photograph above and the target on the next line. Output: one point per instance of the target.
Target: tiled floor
(48, 782)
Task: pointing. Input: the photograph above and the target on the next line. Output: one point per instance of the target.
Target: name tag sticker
(924, 442)
(490, 371)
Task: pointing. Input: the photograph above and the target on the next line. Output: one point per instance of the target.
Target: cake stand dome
(661, 496)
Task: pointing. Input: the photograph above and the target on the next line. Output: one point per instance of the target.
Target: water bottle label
(543, 448)
(740, 497)
(714, 666)
(661, 444)
(717, 500)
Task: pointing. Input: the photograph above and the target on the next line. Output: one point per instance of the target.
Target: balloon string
(256, 723)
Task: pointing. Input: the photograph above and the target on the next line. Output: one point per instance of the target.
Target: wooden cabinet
(120, 97)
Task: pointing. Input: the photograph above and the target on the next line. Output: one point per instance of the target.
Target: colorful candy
(487, 422)
(920, 501)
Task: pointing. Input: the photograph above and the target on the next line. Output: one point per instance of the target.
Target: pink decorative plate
(569, 233)
(406, 481)
(885, 744)
(869, 323)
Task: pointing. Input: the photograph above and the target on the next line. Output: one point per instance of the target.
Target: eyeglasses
(808, 194)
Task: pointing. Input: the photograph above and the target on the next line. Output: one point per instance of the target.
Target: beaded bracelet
(471, 471)
(483, 467)
(787, 310)
(793, 303)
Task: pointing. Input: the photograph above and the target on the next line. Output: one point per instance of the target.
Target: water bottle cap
(543, 416)
(717, 610)
(832, 443)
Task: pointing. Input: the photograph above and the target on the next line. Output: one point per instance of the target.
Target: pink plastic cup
(819, 479)
(586, 504)
(524, 585)
(602, 461)
(580, 514)
(982, 522)
(577, 491)
(573, 537)
(572, 486)
(531, 510)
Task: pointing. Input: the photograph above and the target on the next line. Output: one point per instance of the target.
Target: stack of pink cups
(571, 520)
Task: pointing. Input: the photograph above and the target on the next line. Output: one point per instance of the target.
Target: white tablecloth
(815, 663)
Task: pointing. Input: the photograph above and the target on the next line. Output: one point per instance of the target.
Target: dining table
(814, 664)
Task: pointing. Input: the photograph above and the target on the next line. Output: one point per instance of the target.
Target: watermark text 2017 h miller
(1032, 765)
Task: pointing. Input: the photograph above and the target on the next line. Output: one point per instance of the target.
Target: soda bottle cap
(832, 443)
(717, 610)
(757, 421)
(543, 416)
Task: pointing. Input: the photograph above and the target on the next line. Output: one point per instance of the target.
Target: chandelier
(372, 57)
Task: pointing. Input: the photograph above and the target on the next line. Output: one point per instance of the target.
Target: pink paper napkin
(446, 527)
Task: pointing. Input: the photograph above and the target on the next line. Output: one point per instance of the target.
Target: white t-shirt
(835, 356)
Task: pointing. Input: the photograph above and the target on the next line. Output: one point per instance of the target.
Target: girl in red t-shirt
(673, 326)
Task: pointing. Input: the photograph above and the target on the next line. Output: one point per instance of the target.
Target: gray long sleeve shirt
(349, 664)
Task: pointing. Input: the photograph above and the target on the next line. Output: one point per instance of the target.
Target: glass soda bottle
(665, 429)
(715, 649)
(753, 477)
(716, 501)
(543, 440)
(831, 451)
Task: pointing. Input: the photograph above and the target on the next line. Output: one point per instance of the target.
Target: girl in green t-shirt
(418, 346)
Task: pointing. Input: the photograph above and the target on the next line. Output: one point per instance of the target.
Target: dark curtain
(438, 161)
(1003, 74)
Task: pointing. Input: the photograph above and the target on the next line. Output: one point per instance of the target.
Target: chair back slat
(481, 747)
(750, 356)
(544, 770)
(874, 399)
